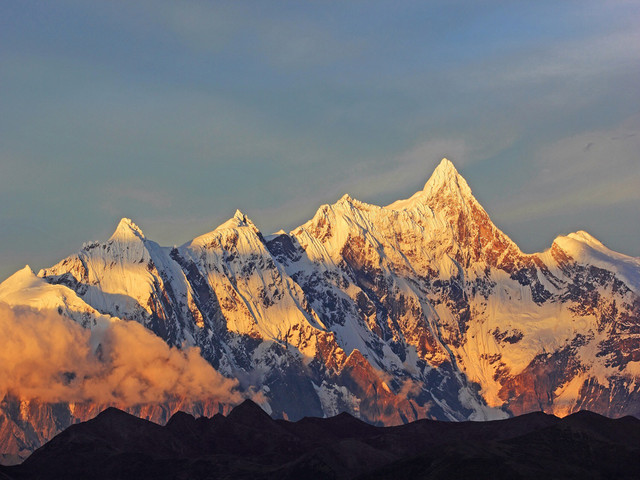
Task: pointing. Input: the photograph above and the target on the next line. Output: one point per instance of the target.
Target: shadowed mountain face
(249, 444)
(419, 309)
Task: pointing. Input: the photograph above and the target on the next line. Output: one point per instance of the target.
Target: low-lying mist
(47, 357)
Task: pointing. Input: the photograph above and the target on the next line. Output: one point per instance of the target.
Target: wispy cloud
(125, 195)
(573, 60)
(594, 169)
(280, 38)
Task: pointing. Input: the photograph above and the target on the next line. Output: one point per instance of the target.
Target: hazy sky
(177, 113)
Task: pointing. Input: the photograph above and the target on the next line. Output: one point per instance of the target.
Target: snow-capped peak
(25, 289)
(429, 295)
(348, 202)
(127, 230)
(239, 219)
(26, 270)
(445, 167)
(585, 237)
(19, 278)
(445, 180)
(446, 175)
(587, 250)
(242, 218)
(575, 242)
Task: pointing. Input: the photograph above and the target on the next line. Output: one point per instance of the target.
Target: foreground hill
(248, 443)
(419, 309)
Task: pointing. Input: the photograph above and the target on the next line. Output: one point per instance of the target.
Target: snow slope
(421, 308)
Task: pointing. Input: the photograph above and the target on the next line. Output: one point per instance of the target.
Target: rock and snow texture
(422, 308)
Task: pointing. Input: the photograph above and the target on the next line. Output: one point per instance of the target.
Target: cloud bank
(46, 357)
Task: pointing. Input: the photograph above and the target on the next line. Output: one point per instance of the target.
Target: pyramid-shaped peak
(241, 217)
(445, 182)
(26, 271)
(238, 220)
(445, 175)
(446, 166)
(445, 172)
(127, 230)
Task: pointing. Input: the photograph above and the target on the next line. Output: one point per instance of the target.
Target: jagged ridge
(248, 443)
(422, 308)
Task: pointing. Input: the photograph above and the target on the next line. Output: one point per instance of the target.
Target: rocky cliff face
(422, 308)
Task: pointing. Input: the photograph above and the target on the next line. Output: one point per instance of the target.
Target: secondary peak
(238, 220)
(346, 198)
(585, 237)
(242, 219)
(127, 230)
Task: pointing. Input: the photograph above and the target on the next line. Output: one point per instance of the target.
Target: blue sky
(177, 113)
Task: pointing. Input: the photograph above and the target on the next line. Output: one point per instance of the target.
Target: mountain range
(248, 443)
(419, 309)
